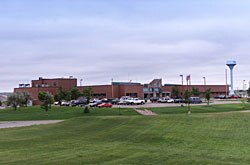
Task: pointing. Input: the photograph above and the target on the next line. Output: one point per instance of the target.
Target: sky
(138, 40)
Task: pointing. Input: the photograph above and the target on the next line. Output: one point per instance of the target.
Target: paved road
(12, 124)
(149, 104)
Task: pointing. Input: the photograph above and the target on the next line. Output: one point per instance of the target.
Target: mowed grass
(101, 138)
(57, 112)
(201, 109)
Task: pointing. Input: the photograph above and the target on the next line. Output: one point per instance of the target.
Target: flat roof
(125, 83)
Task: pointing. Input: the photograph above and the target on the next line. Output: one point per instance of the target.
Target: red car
(234, 97)
(107, 105)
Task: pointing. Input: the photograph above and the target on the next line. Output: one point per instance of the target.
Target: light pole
(181, 75)
(243, 87)
(205, 85)
(81, 82)
(112, 88)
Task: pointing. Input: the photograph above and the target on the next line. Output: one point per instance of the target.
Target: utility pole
(81, 82)
(181, 84)
(205, 85)
(112, 88)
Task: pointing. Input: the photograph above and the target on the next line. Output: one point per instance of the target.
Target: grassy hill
(106, 137)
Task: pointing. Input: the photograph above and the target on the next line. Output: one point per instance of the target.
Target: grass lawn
(57, 112)
(105, 137)
(201, 109)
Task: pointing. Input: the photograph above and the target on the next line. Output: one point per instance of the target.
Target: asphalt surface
(12, 124)
(150, 105)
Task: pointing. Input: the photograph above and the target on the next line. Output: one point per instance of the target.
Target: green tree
(196, 92)
(56, 97)
(25, 98)
(208, 95)
(175, 92)
(248, 92)
(47, 99)
(243, 101)
(87, 93)
(14, 100)
(68, 96)
(75, 93)
(61, 95)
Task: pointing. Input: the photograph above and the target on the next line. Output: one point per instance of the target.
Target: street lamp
(243, 91)
(181, 84)
(81, 82)
(205, 85)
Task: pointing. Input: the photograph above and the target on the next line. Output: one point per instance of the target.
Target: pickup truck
(135, 101)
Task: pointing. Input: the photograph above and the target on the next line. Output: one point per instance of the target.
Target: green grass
(56, 112)
(201, 109)
(105, 137)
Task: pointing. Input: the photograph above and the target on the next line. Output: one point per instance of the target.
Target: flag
(188, 78)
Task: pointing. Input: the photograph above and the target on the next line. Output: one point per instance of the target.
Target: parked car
(195, 100)
(81, 101)
(113, 100)
(56, 103)
(165, 100)
(105, 105)
(65, 103)
(178, 100)
(154, 99)
(95, 103)
(162, 100)
(170, 100)
(220, 97)
(234, 97)
(123, 100)
(135, 101)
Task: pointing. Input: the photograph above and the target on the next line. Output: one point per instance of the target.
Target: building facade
(116, 89)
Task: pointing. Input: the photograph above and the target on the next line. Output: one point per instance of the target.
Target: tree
(248, 92)
(61, 95)
(14, 100)
(187, 95)
(208, 95)
(47, 99)
(175, 92)
(25, 98)
(243, 101)
(87, 93)
(68, 96)
(75, 93)
(196, 92)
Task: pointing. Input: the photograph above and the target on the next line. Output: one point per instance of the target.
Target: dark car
(178, 100)
(81, 101)
(154, 99)
(195, 100)
(113, 100)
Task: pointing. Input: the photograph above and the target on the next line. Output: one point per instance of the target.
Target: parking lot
(149, 104)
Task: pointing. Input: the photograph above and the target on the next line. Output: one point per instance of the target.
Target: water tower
(231, 64)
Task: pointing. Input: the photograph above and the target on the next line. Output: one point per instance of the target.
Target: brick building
(47, 85)
(114, 90)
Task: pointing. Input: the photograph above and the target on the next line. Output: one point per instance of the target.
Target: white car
(135, 101)
(170, 100)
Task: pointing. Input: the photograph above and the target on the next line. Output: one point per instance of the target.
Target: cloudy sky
(138, 40)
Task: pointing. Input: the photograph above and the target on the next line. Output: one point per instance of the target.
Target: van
(195, 100)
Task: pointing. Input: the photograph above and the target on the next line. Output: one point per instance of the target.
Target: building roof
(172, 84)
(125, 83)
